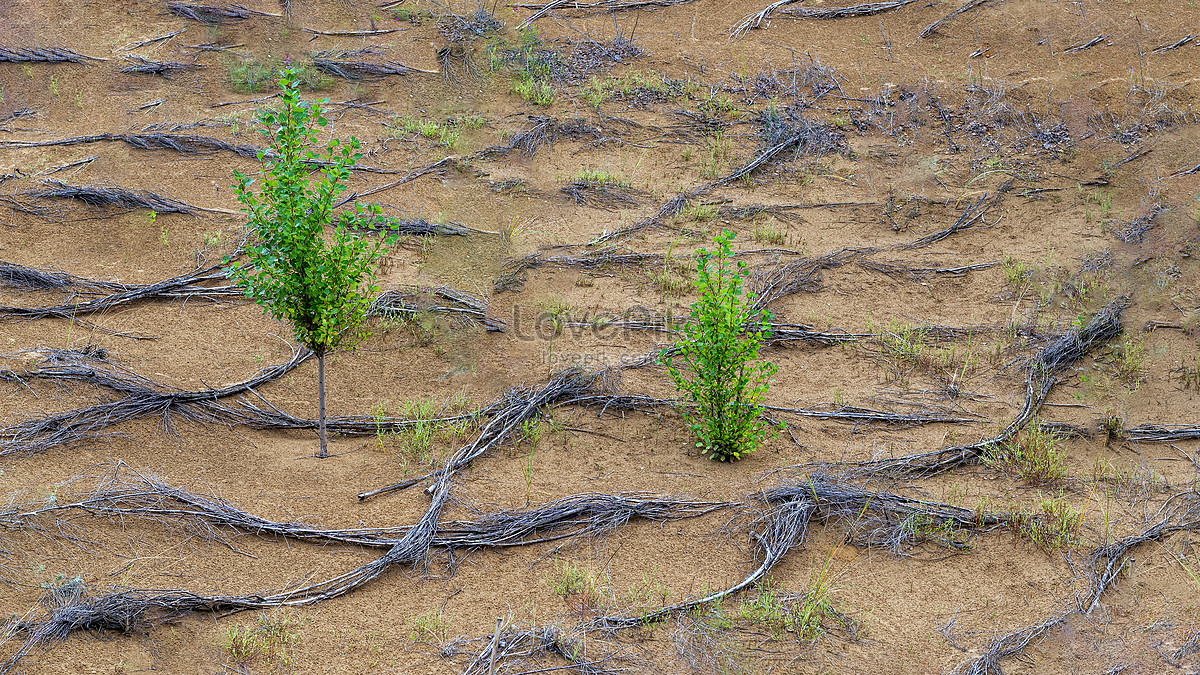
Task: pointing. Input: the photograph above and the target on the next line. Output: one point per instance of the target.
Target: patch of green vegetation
(412, 15)
(704, 212)
(715, 156)
(431, 628)
(577, 585)
(1056, 526)
(769, 232)
(602, 177)
(634, 85)
(447, 134)
(269, 640)
(1128, 360)
(904, 342)
(1035, 456)
(719, 105)
(533, 66)
(1016, 274)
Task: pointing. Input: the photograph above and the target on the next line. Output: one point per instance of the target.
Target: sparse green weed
(1035, 456)
(1057, 526)
(431, 628)
(270, 639)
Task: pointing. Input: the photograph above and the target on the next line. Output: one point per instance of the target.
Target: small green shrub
(716, 368)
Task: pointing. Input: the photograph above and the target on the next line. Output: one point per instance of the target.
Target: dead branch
(517, 406)
(43, 55)
(213, 13)
(117, 196)
(762, 19)
(139, 65)
(937, 25)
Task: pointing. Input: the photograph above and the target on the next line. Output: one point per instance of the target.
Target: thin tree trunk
(321, 399)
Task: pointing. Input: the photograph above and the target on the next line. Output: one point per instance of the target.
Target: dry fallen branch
(213, 13)
(139, 65)
(781, 527)
(772, 282)
(966, 221)
(901, 269)
(183, 143)
(597, 195)
(517, 650)
(545, 130)
(544, 8)
(762, 19)
(1010, 644)
(1078, 47)
(43, 55)
(444, 301)
(517, 406)
(74, 426)
(1161, 433)
(362, 70)
(123, 494)
(937, 25)
(117, 196)
(188, 285)
(406, 301)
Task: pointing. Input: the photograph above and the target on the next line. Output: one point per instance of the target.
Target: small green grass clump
(601, 177)
(1035, 456)
(1056, 527)
(269, 640)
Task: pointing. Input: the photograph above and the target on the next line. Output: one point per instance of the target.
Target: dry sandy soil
(976, 239)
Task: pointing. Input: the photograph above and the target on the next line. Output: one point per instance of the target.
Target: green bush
(716, 366)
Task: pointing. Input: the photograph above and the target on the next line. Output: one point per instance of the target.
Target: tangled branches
(74, 426)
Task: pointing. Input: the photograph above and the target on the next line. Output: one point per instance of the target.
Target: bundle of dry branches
(362, 70)
(42, 54)
(74, 426)
(139, 65)
(762, 19)
(183, 143)
(115, 196)
(408, 301)
(188, 285)
(213, 13)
